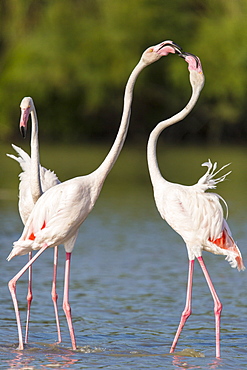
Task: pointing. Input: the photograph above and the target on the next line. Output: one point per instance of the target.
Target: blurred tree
(219, 40)
(74, 57)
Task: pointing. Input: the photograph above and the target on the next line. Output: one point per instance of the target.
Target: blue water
(127, 292)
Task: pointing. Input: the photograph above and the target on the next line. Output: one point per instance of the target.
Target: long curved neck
(114, 152)
(153, 138)
(35, 169)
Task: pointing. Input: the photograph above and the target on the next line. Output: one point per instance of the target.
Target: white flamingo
(34, 181)
(61, 210)
(194, 214)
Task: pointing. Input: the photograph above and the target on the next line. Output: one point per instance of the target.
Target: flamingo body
(198, 217)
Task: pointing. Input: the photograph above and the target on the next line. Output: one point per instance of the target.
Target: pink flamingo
(194, 214)
(34, 181)
(59, 212)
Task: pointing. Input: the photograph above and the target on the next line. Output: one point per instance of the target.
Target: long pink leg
(12, 289)
(187, 309)
(217, 304)
(54, 293)
(66, 305)
(29, 297)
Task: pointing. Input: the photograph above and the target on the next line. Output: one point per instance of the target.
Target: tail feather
(48, 177)
(23, 159)
(208, 178)
(20, 248)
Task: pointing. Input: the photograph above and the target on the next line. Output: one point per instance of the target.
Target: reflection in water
(60, 361)
(53, 357)
(57, 360)
(20, 361)
(184, 363)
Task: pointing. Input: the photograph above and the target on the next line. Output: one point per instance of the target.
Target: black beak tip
(177, 48)
(23, 132)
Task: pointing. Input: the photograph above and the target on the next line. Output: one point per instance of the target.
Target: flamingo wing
(228, 246)
(56, 216)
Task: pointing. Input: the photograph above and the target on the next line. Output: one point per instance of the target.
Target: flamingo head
(195, 68)
(26, 108)
(154, 53)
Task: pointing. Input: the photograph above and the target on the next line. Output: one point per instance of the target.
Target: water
(127, 292)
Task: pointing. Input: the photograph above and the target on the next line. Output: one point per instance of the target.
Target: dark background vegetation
(74, 57)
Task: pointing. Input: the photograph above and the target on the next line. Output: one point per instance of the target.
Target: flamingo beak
(185, 55)
(176, 48)
(23, 121)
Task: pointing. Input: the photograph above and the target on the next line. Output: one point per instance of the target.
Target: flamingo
(192, 212)
(34, 180)
(59, 212)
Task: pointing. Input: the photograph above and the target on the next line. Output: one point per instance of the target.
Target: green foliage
(74, 57)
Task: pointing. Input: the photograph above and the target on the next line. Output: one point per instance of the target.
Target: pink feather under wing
(32, 236)
(226, 242)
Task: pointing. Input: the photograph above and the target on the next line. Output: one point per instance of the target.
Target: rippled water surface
(127, 292)
(128, 283)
